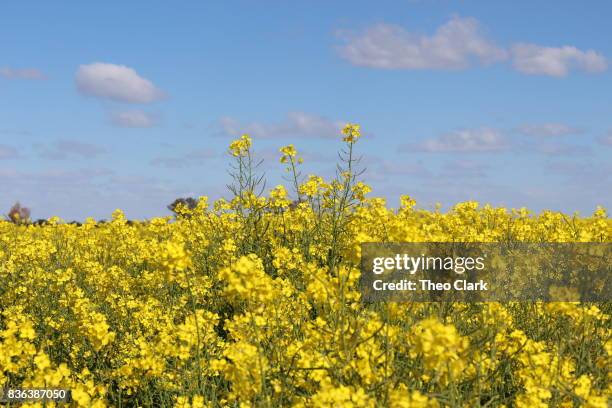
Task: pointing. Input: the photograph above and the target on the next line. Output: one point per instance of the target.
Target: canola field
(254, 302)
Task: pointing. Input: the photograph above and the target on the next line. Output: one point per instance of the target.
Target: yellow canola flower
(351, 132)
(240, 147)
(288, 153)
(441, 347)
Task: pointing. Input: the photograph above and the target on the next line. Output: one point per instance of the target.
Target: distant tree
(18, 214)
(189, 203)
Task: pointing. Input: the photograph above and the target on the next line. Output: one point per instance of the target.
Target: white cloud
(8, 152)
(23, 73)
(387, 167)
(116, 82)
(67, 149)
(297, 124)
(559, 149)
(548, 129)
(458, 44)
(606, 139)
(454, 45)
(462, 141)
(133, 119)
(464, 169)
(196, 157)
(581, 171)
(555, 61)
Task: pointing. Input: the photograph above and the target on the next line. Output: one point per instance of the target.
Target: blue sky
(132, 104)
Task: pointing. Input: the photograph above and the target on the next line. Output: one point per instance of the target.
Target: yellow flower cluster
(289, 153)
(351, 132)
(247, 306)
(240, 147)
